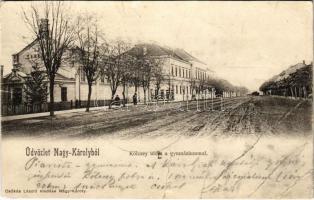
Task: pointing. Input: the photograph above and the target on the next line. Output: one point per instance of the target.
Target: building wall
(70, 92)
(27, 58)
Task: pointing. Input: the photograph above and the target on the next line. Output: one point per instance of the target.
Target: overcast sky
(243, 42)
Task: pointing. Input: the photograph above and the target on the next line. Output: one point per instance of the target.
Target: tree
(35, 88)
(114, 63)
(193, 85)
(158, 75)
(127, 64)
(136, 68)
(150, 66)
(51, 29)
(297, 83)
(88, 51)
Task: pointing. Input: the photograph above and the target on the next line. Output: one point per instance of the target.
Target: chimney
(16, 62)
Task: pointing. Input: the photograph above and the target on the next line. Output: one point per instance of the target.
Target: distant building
(179, 68)
(295, 81)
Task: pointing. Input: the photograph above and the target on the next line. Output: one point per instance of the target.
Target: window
(179, 72)
(176, 72)
(63, 94)
(176, 89)
(183, 73)
(180, 89)
(172, 70)
(27, 56)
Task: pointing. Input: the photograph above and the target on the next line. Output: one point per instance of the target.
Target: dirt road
(245, 115)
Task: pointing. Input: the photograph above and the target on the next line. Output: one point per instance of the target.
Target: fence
(19, 109)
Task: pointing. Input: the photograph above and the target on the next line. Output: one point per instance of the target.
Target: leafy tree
(295, 84)
(35, 88)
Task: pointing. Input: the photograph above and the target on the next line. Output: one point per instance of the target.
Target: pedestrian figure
(135, 99)
(117, 100)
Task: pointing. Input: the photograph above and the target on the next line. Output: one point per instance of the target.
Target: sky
(245, 43)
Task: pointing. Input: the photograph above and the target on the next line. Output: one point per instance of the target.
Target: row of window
(186, 73)
(181, 89)
(30, 56)
(180, 72)
(200, 75)
(174, 71)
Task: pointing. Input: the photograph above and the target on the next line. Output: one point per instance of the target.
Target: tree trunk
(291, 90)
(148, 94)
(51, 90)
(88, 97)
(157, 94)
(123, 94)
(144, 89)
(305, 92)
(112, 96)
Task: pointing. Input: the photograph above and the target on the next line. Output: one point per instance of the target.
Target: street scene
(130, 87)
(231, 116)
(152, 99)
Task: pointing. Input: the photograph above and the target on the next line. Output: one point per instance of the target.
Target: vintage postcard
(156, 99)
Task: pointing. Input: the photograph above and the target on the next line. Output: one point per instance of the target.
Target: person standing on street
(135, 99)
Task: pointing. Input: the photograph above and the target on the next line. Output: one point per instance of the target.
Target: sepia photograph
(131, 99)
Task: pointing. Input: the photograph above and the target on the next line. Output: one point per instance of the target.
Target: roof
(27, 46)
(186, 56)
(286, 73)
(157, 50)
(16, 76)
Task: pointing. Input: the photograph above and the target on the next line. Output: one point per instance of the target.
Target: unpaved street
(241, 115)
(255, 147)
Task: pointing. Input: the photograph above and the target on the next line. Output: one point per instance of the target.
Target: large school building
(179, 68)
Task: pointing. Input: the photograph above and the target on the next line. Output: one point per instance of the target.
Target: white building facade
(179, 68)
